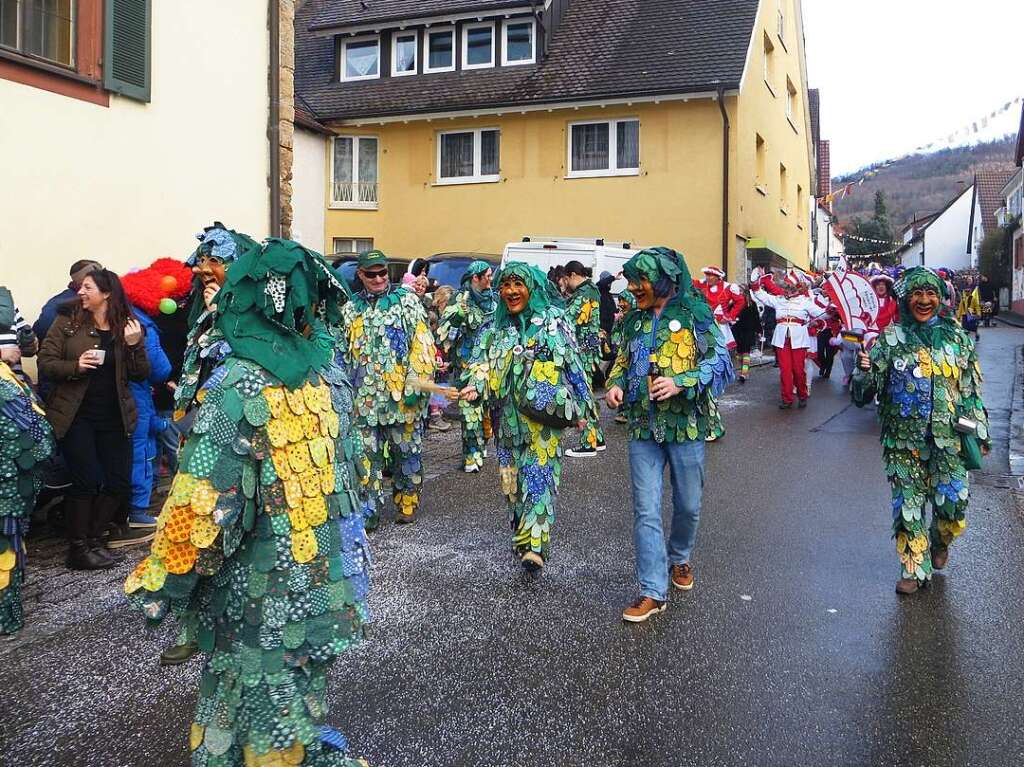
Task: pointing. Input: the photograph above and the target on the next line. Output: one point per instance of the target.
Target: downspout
(725, 181)
(274, 118)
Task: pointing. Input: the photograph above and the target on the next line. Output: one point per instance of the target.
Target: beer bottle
(653, 372)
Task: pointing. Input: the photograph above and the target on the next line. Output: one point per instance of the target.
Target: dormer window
(439, 55)
(520, 43)
(404, 54)
(478, 46)
(360, 58)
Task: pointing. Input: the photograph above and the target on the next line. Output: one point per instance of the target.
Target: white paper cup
(99, 355)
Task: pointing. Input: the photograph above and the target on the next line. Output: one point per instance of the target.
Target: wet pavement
(792, 649)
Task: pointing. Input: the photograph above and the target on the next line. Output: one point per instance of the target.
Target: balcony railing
(362, 194)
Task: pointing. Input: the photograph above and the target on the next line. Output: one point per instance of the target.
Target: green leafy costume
(388, 348)
(584, 307)
(26, 442)
(688, 347)
(458, 334)
(531, 357)
(261, 539)
(926, 376)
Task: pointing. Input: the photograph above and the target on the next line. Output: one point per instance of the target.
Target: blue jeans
(647, 461)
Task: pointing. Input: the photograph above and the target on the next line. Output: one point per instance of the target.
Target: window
(800, 206)
(791, 101)
(440, 51)
(478, 46)
(769, 64)
(519, 47)
(43, 28)
(467, 157)
(783, 189)
(404, 54)
(761, 165)
(354, 172)
(360, 58)
(351, 245)
(609, 148)
(782, 21)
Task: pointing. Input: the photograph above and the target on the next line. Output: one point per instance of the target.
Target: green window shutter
(126, 47)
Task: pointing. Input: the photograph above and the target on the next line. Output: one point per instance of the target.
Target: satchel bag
(546, 397)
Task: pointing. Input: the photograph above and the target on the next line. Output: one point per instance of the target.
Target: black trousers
(99, 460)
(826, 353)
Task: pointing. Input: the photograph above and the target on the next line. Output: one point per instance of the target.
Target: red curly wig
(146, 287)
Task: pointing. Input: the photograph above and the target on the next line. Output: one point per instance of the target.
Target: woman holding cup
(90, 353)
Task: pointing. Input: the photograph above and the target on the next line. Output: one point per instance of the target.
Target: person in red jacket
(726, 300)
(888, 307)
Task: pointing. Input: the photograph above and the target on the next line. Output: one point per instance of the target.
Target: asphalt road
(792, 649)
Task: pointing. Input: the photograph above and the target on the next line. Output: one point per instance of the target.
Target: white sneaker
(581, 452)
(471, 469)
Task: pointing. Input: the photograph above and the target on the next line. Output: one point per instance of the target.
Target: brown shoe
(940, 556)
(907, 585)
(532, 561)
(642, 609)
(682, 576)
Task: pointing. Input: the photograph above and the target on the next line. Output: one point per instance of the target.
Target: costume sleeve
(478, 365)
(714, 369)
(213, 499)
(422, 351)
(736, 303)
(575, 372)
(971, 404)
(448, 329)
(865, 384)
(765, 298)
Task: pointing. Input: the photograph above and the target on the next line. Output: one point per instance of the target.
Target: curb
(1017, 417)
(1013, 323)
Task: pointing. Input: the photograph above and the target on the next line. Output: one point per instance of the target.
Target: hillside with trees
(920, 184)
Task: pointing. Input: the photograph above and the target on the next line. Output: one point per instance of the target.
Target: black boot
(82, 557)
(104, 509)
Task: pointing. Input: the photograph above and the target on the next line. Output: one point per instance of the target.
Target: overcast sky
(897, 74)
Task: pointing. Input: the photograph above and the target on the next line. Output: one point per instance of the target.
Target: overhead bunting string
(970, 129)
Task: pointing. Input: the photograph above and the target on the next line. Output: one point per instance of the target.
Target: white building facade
(945, 242)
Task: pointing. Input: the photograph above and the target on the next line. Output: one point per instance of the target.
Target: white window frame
(505, 62)
(353, 240)
(613, 150)
(450, 30)
(354, 204)
(344, 57)
(477, 177)
(394, 52)
(791, 95)
(781, 23)
(465, 44)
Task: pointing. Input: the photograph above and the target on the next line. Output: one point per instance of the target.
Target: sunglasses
(376, 275)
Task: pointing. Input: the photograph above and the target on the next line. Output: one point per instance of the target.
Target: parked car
(598, 254)
(448, 268)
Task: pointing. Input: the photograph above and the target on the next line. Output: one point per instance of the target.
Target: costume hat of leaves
(657, 264)
(542, 291)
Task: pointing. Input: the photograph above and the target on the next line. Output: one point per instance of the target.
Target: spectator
(16, 337)
(79, 270)
(91, 351)
(988, 296)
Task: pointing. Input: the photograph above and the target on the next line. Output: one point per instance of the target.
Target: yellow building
(466, 128)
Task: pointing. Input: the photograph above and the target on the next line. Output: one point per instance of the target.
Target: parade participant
(91, 352)
(968, 311)
(390, 353)
(888, 306)
(671, 364)
(205, 350)
(261, 539)
(925, 373)
(528, 364)
(583, 307)
(829, 339)
(725, 299)
(458, 335)
(794, 309)
(746, 331)
(26, 443)
(626, 302)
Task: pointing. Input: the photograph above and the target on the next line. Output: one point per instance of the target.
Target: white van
(598, 254)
